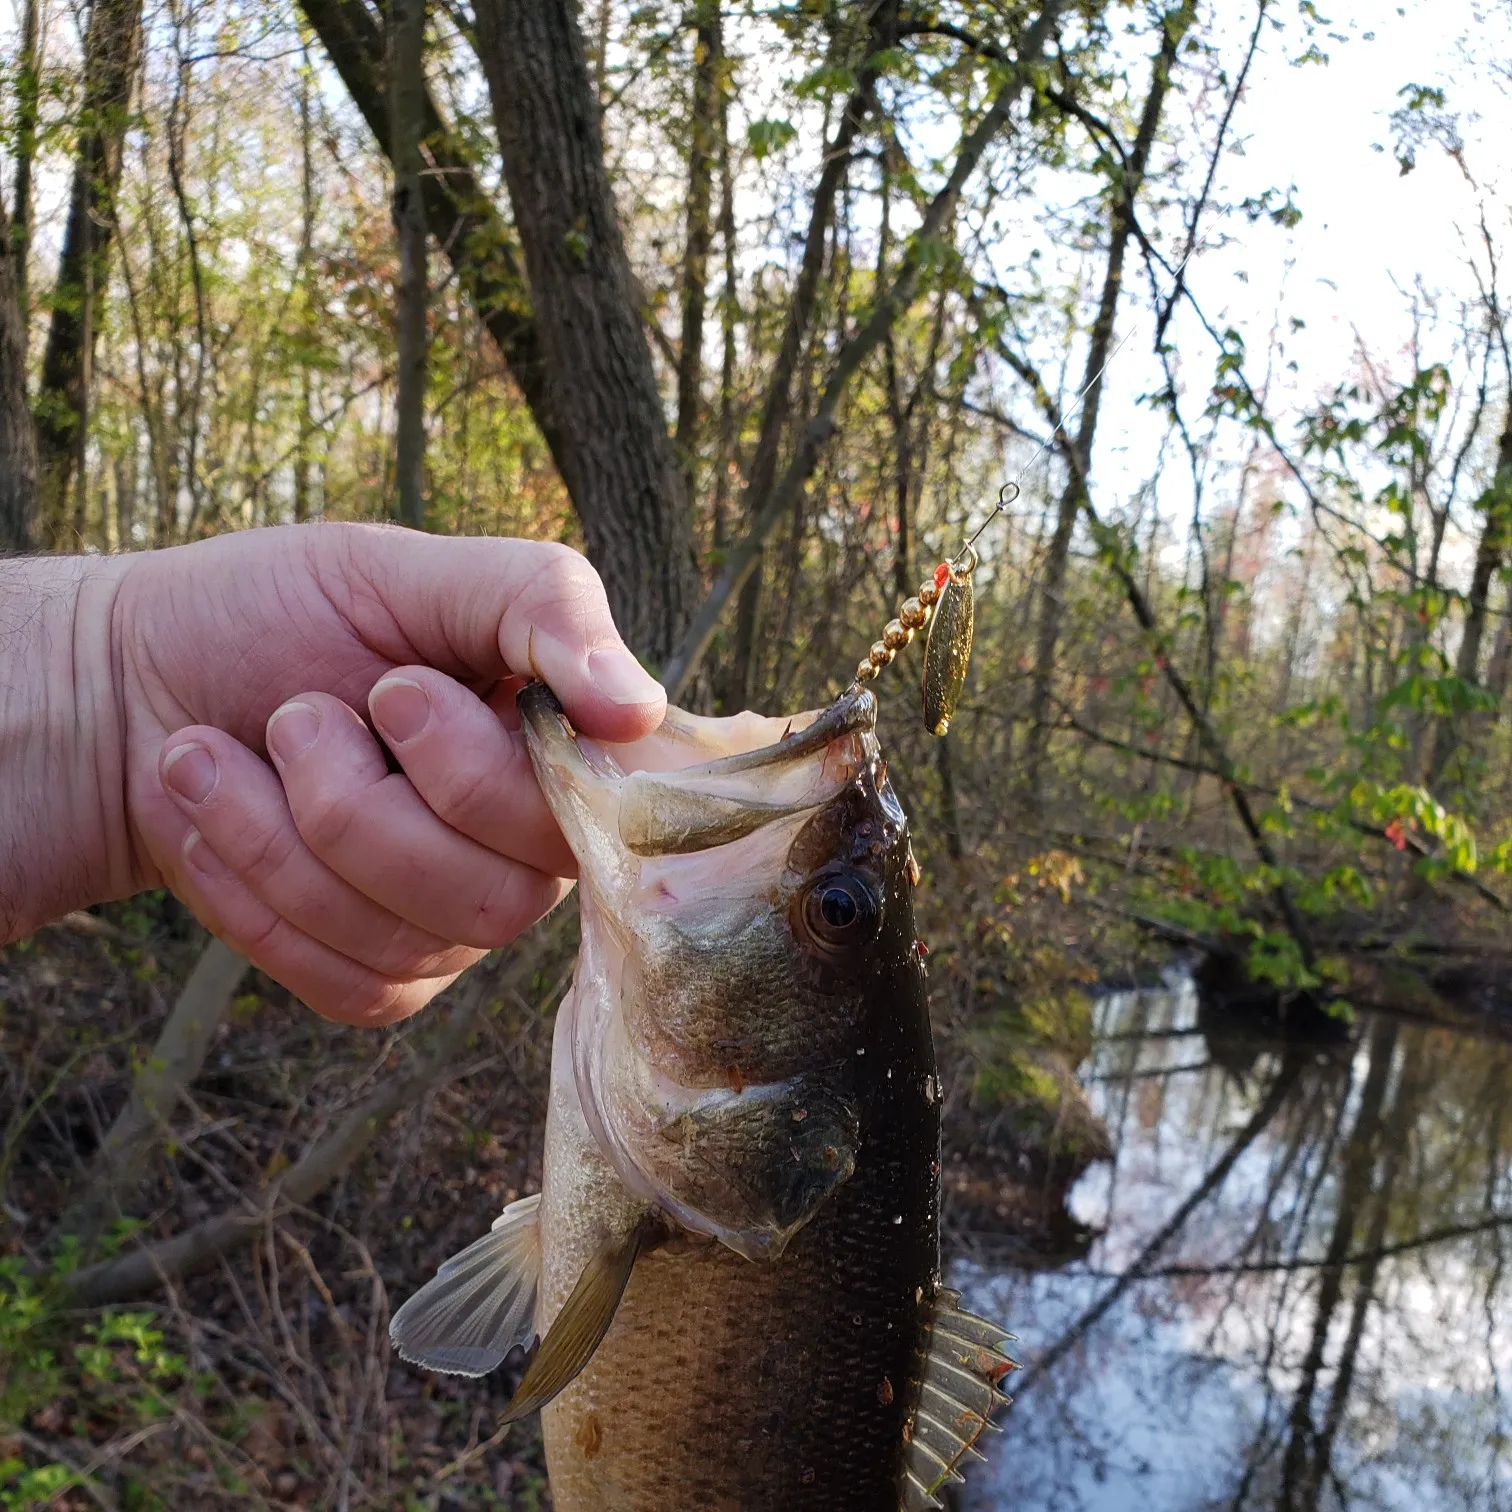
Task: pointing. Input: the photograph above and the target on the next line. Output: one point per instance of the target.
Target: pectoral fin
(585, 1317)
(957, 1398)
(480, 1304)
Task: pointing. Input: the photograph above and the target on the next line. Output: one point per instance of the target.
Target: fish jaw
(710, 1043)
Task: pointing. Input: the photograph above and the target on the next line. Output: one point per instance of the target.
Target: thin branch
(742, 559)
(145, 1269)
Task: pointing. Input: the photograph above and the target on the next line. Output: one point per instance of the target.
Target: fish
(733, 1266)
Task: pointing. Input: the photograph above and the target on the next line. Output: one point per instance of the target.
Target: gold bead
(912, 615)
(879, 655)
(865, 672)
(895, 637)
(928, 593)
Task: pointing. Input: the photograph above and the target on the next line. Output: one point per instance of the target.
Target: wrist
(64, 841)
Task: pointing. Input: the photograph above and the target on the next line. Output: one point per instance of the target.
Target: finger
(370, 826)
(471, 771)
(533, 608)
(335, 986)
(239, 808)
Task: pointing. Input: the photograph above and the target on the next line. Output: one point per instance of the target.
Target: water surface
(1300, 1297)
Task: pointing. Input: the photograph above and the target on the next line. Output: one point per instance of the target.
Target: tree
(617, 460)
(407, 127)
(18, 441)
(1127, 175)
(111, 44)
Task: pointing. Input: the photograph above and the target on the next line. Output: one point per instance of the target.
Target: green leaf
(767, 136)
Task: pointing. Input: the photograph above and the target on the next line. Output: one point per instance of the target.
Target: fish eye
(840, 910)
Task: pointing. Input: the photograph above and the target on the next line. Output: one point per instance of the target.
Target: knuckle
(372, 1000)
(260, 942)
(565, 580)
(259, 856)
(467, 794)
(511, 905)
(325, 821)
(412, 952)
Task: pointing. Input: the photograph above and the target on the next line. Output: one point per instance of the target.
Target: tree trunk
(306, 275)
(1499, 672)
(708, 63)
(1126, 187)
(724, 456)
(407, 127)
(886, 307)
(18, 439)
(28, 83)
(110, 56)
(616, 456)
(1490, 552)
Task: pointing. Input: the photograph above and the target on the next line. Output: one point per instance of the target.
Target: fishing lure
(944, 603)
(945, 606)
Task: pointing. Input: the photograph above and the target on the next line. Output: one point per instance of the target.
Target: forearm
(63, 833)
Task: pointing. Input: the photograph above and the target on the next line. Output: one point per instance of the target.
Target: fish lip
(855, 711)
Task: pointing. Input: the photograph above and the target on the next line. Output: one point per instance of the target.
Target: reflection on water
(1300, 1298)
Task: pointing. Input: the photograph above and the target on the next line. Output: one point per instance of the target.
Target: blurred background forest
(762, 306)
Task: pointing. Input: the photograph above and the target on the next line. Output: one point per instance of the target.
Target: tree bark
(1126, 186)
(18, 438)
(28, 86)
(617, 458)
(1499, 672)
(708, 63)
(724, 455)
(1490, 553)
(110, 56)
(458, 213)
(306, 275)
(407, 127)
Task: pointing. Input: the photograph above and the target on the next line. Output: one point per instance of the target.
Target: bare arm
(62, 804)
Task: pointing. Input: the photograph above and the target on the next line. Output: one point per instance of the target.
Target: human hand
(362, 890)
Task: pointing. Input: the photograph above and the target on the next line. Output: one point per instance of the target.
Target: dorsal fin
(958, 1394)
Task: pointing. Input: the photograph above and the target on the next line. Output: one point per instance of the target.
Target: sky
(1368, 236)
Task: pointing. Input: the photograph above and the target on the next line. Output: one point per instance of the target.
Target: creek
(1298, 1296)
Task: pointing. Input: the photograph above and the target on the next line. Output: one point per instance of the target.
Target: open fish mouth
(700, 1005)
(697, 783)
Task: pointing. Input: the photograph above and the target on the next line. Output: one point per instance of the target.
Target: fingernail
(400, 708)
(199, 855)
(622, 679)
(189, 771)
(292, 730)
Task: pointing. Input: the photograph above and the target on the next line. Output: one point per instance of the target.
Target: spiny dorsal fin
(959, 1392)
(585, 1317)
(480, 1304)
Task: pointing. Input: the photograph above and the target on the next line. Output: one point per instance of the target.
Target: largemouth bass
(733, 1265)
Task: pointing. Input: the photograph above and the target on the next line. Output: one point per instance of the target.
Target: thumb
(531, 608)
